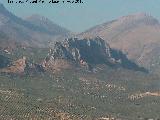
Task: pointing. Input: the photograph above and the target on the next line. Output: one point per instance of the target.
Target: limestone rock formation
(86, 52)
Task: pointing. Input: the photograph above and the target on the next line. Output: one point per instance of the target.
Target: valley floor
(80, 95)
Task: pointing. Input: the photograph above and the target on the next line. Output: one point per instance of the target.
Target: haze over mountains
(48, 25)
(136, 35)
(16, 30)
(49, 73)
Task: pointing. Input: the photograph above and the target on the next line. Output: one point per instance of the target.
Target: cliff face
(86, 52)
(92, 51)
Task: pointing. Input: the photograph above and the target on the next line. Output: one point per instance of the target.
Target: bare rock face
(85, 53)
(93, 51)
(16, 67)
(74, 53)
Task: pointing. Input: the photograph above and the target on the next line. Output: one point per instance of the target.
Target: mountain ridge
(78, 78)
(88, 53)
(28, 33)
(136, 35)
(44, 22)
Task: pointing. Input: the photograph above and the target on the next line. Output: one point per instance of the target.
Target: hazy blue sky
(79, 17)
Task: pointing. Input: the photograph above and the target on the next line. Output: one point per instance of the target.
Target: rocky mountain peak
(38, 17)
(47, 24)
(84, 49)
(136, 16)
(87, 52)
(139, 18)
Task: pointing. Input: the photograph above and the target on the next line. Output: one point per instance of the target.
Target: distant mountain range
(137, 35)
(73, 53)
(104, 73)
(47, 25)
(28, 32)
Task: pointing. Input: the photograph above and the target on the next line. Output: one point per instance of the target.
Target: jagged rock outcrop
(93, 51)
(71, 53)
(86, 53)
